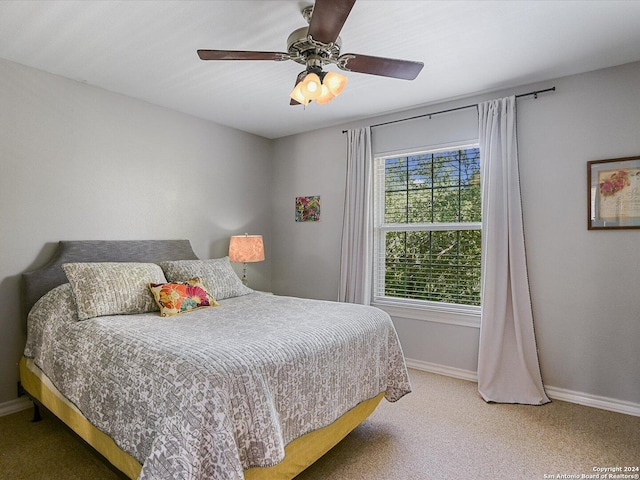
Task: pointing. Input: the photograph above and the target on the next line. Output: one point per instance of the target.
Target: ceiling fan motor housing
(301, 48)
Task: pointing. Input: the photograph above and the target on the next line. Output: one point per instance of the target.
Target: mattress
(218, 392)
(299, 454)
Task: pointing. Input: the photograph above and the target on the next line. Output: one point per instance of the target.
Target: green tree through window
(428, 219)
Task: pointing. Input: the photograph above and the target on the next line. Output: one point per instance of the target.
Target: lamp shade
(326, 96)
(297, 95)
(335, 82)
(246, 248)
(311, 86)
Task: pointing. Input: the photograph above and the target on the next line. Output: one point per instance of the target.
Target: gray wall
(584, 284)
(308, 253)
(78, 162)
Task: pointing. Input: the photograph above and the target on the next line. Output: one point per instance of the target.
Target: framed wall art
(614, 193)
(308, 209)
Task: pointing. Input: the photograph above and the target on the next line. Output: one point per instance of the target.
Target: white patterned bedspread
(207, 394)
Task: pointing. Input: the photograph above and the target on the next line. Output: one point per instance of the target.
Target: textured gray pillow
(217, 275)
(113, 288)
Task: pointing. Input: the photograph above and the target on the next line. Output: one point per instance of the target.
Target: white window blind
(427, 221)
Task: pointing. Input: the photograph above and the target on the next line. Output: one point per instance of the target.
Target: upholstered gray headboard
(38, 282)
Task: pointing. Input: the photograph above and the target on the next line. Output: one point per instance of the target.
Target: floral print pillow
(176, 298)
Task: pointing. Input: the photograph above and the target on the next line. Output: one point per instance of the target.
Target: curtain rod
(534, 93)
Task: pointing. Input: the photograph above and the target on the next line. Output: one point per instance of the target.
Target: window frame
(426, 310)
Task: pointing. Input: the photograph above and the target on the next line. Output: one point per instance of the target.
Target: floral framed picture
(614, 193)
(308, 209)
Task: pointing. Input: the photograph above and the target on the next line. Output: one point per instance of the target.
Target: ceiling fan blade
(386, 67)
(327, 19)
(240, 55)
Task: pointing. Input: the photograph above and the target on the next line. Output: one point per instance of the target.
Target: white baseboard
(556, 393)
(13, 406)
(442, 370)
(596, 401)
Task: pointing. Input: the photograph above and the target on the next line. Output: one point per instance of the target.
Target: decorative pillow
(217, 275)
(113, 288)
(176, 298)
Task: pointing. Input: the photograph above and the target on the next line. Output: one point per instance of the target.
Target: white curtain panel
(508, 368)
(355, 263)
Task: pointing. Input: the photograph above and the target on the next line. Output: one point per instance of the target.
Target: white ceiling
(147, 50)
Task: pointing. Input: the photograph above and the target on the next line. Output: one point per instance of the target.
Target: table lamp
(246, 248)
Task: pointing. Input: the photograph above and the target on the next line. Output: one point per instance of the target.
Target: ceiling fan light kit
(318, 45)
(319, 86)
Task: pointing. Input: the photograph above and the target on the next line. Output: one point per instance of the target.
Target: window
(427, 221)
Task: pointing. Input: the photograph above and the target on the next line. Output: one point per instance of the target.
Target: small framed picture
(308, 209)
(614, 193)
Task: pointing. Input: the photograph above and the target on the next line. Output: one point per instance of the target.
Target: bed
(241, 385)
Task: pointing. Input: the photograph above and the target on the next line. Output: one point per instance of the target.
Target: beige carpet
(443, 430)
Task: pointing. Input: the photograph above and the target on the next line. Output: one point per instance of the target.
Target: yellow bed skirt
(299, 454)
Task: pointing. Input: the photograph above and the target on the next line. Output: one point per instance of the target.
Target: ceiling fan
(318, 45)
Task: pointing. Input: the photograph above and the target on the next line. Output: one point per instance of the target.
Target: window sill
(462, 315)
